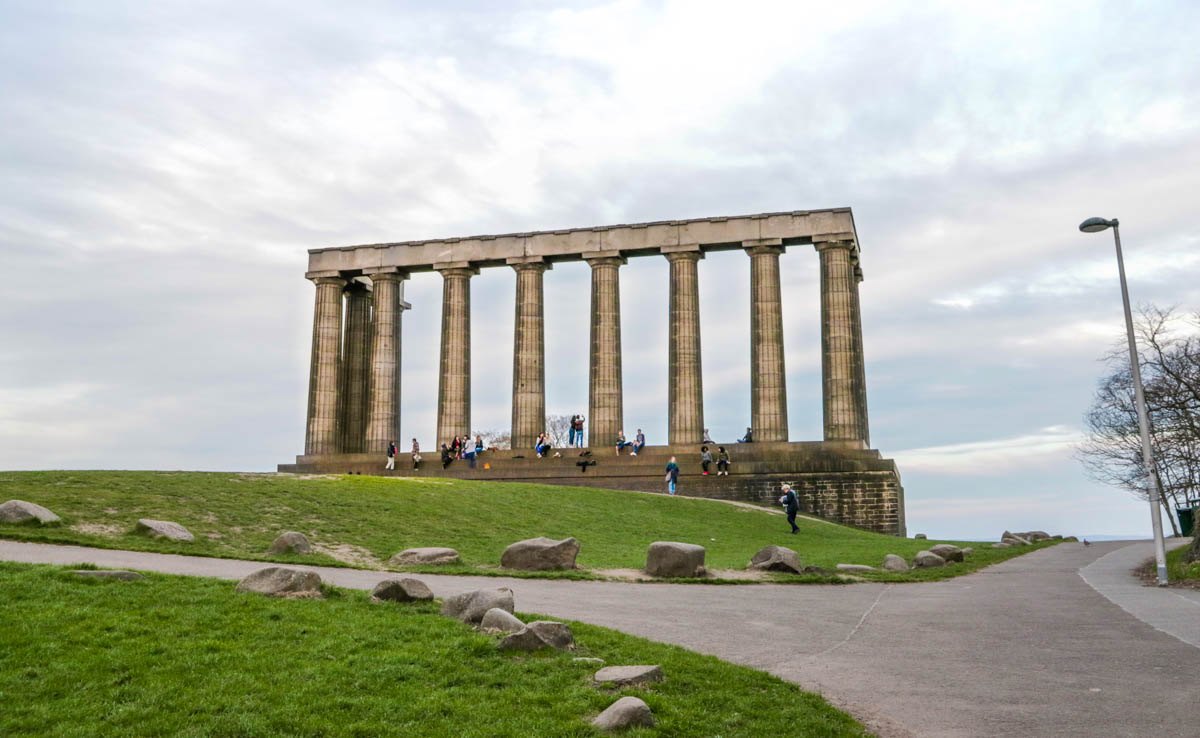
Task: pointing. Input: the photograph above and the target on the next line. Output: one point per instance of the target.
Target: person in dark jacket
(748, 438)
(391, 462)
(791, 504)
(447, 456)
(672, 475)
(722, 461)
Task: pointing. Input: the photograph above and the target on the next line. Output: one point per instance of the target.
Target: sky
(167, 165)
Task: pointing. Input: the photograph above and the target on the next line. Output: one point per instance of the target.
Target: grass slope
(184, 656)
(238, 515)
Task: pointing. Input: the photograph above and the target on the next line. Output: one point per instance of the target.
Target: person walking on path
(391, 462)
(722, 461)
(705, 459)
(639, 442)
(416, 454)
(672, 475)
(791, 504)
(578, 425)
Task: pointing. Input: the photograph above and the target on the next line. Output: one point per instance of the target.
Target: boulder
(538, 635)
(920, 537)
(589, 660)
(424, 556)
(628, 676)
(855, 567)
(672, 559)
(20, 511)
(280, 581)
(124, 576)
(290, 542)
(1013, 539)
(927, 560)
(968, 551)
(1034, 536)
(777, 558)
(624, 713)
(501, 620)
(164, 529)
(470, 607)
(401, 590)
(892, 562)
(948, 552)
(541, 554)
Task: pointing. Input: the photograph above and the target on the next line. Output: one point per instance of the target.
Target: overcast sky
(166, 165)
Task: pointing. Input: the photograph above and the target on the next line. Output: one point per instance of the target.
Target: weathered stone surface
(164, 529)
(20, 511)
(290, 542)
(968, 551)
(892, 562)
(279, 581)
(501, 620)
(541, 554)
(948, 552)
(1013, 539)
(401, 590)
(537, 635)
(424, 556)
(673, 559)
(927, 560)
(920, 536)
(624, 713)
(589, 660)
(1034, 536)
(628, 676)
(855, 567)
(777, 558)
(470, 607)
(125, 576)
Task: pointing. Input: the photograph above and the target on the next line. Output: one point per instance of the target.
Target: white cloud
(997, 456)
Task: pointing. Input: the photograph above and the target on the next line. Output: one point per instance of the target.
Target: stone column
(685, 390)
(383, 408)
(529, 353)
(842, 367)
(324, 379)
(454, 383)
(605, 398)
(768, 386)
(356, 349)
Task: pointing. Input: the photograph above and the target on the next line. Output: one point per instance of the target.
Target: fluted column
(768, 385)
(685, 391)
(529, 354)
(383, 407)
(605, 398)
(842, 367)
(356, 348)
(454, 383)
(324, 379)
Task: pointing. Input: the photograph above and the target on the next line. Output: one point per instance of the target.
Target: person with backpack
(722, 461)
(705, 459)
(672, 475)
(791, 504)
(391, 462)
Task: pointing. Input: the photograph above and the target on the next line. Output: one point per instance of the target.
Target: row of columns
(354, 403)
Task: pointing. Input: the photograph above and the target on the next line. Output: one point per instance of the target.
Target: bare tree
(501, 439)
(559, 428)
(1169, 352)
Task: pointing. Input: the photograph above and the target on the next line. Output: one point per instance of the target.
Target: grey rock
(589, 660)
(968, 551)
(855, 567)
(1013, 539)
(401, 590)
(538, 635)
(777, 558)
(927, 560)
(501, 620)
(280, 581)
(628, 676)
(290, 542)
(816, 570)
(424, 556)
(20, 511)
(920, 537)
(470, 607)
(948, 552)
(540, 554)
(124, 576)
(1034, 536)
(673, 559)
(624, 713)
(164, 529)
(892, 562)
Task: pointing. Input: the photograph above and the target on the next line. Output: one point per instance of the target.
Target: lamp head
(1095, 225)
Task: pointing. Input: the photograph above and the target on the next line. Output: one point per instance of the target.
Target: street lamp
(1095, 225)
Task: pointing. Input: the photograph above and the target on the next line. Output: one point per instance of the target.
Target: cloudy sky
(166, 165)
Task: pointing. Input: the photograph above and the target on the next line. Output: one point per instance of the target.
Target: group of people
(637, 444)
(461, 447)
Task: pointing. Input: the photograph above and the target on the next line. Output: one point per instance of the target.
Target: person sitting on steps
(748, 438)
(639, 442)
(621, 442)
(705, 459)
(722, 461)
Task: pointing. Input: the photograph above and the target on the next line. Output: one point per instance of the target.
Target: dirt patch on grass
(99, 529)
(637, 575)
(348, 553)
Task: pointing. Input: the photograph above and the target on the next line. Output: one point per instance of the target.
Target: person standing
(579, 431)
(571, 430)
(705, 459)
(416, 454)
(391, 462)
(672, 475)
(791, 504)
(722, 461)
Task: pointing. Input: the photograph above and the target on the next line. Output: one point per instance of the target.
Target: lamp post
(1095, 225)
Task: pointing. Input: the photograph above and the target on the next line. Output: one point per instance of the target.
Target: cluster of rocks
(1009, 540)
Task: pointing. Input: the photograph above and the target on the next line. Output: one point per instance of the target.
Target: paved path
(1026, 647)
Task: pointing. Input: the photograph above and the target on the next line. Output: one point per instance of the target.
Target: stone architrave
(768, 382)
(605, 396)
(685, 386)
(324, 383)
(844, 395)
(529, 353)
(356, 350)
(383, 405)
(454, 383)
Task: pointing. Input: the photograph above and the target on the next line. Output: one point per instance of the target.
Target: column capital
(356, 286)
(763, 246)
(827, 241)
(528, 263)
(456, 269)
(333, 280)
(385, 273)
(682, 252)
(602, 258)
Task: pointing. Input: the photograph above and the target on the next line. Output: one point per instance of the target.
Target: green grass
(382, 516)
(179, 656)
(1181, 572)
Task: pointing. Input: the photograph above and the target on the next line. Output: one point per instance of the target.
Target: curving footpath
(1061, 641)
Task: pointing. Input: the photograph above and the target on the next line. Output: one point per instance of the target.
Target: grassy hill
(362, 521)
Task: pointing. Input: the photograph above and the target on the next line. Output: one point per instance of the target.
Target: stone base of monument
(841, 482)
